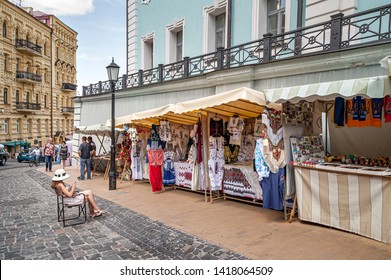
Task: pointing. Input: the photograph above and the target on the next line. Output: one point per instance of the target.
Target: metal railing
(68, 86)
(24, 44)
(28, 76)
(28, 106)
(341, 32)
(67, 109)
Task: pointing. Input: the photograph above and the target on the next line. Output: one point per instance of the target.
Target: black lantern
(112, 73)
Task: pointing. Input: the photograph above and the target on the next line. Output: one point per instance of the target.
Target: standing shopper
(48, 152)
(64, 154)
(85, 158)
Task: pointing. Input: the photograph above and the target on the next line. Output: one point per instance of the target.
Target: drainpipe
(229, 23)
(51, 82)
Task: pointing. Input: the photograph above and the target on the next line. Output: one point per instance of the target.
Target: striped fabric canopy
(374, 87)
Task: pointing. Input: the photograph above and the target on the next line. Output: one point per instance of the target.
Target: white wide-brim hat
(60, 175)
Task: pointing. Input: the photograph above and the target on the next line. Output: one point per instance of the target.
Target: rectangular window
(6, 126)
(220, 31)
(18, 126)
(276, 16)
(179, 45)
(29, 126)
(17, 97)
(44, 101)
(148, 54)
(6, 96)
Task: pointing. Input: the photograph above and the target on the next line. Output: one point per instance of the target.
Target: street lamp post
(112, 73)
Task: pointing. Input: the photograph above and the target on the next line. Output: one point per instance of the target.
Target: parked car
(25, 156)
(3, 155)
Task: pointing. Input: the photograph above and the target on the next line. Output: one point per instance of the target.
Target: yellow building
(37, 77)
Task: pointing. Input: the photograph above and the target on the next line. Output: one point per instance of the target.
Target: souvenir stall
(165, 146)
(343, 179)
(195, 145)
(101, 135)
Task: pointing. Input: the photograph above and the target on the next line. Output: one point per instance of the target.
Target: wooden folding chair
(64, 211)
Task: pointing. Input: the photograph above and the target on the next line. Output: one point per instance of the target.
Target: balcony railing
(341, 32)
(27, 106)
(68, 87)
(28, 77)
(27, 46)
(67, 110)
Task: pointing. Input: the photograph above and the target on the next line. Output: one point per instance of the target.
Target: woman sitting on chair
(71, 196)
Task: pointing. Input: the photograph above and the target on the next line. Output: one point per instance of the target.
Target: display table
(99, 163)
(183, 174)
(241, 181)
(344, 197)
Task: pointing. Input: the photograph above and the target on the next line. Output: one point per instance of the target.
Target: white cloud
(61, 7)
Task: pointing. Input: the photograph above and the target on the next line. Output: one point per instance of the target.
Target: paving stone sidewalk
(29, 229)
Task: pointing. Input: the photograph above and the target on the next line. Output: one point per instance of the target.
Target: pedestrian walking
(64, 154)
(85, 158)
(48, 152)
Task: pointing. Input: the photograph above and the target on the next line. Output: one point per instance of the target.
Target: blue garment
(168, 172)
(339, 111)
(273, 190)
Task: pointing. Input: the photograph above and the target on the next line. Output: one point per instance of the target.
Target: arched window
(17, 96)
(16, 33)
(4, 29)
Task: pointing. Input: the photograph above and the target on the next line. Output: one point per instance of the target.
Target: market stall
(101, 136)
(343, 179)
(197, 120)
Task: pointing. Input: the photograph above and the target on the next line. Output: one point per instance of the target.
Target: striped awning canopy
(374, 87)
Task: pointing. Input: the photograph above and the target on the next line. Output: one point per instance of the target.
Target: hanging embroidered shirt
(359, 112)
(377, 109)
(274, 155)
(272, 121)
(258, 127)
(165, 131)
(260, 165)
(235, 127)
(216, 127)
(387, 108)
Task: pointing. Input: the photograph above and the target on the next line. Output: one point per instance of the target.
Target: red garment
(155, 162)
(155, 177)
(387, 109)
(155, 157)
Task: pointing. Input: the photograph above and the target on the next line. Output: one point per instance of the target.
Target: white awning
(243, 101)
(374, 87)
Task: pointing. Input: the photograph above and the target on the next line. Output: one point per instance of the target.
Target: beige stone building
(37, 77)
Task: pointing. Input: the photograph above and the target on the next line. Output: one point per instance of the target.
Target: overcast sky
(101, 28)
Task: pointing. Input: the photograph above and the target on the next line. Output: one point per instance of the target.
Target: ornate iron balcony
(28, 77)
(68, 87)
(27, 106)
(27, 46)
(67, 110)
(370, 27)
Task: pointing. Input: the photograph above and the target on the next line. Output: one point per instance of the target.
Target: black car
(3, 155)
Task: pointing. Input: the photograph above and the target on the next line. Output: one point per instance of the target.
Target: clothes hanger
(216, 118)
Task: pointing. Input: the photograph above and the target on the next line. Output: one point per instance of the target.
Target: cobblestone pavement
(29, 229)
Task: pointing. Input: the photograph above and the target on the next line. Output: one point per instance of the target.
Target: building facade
(178, 51)
(37, 77)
